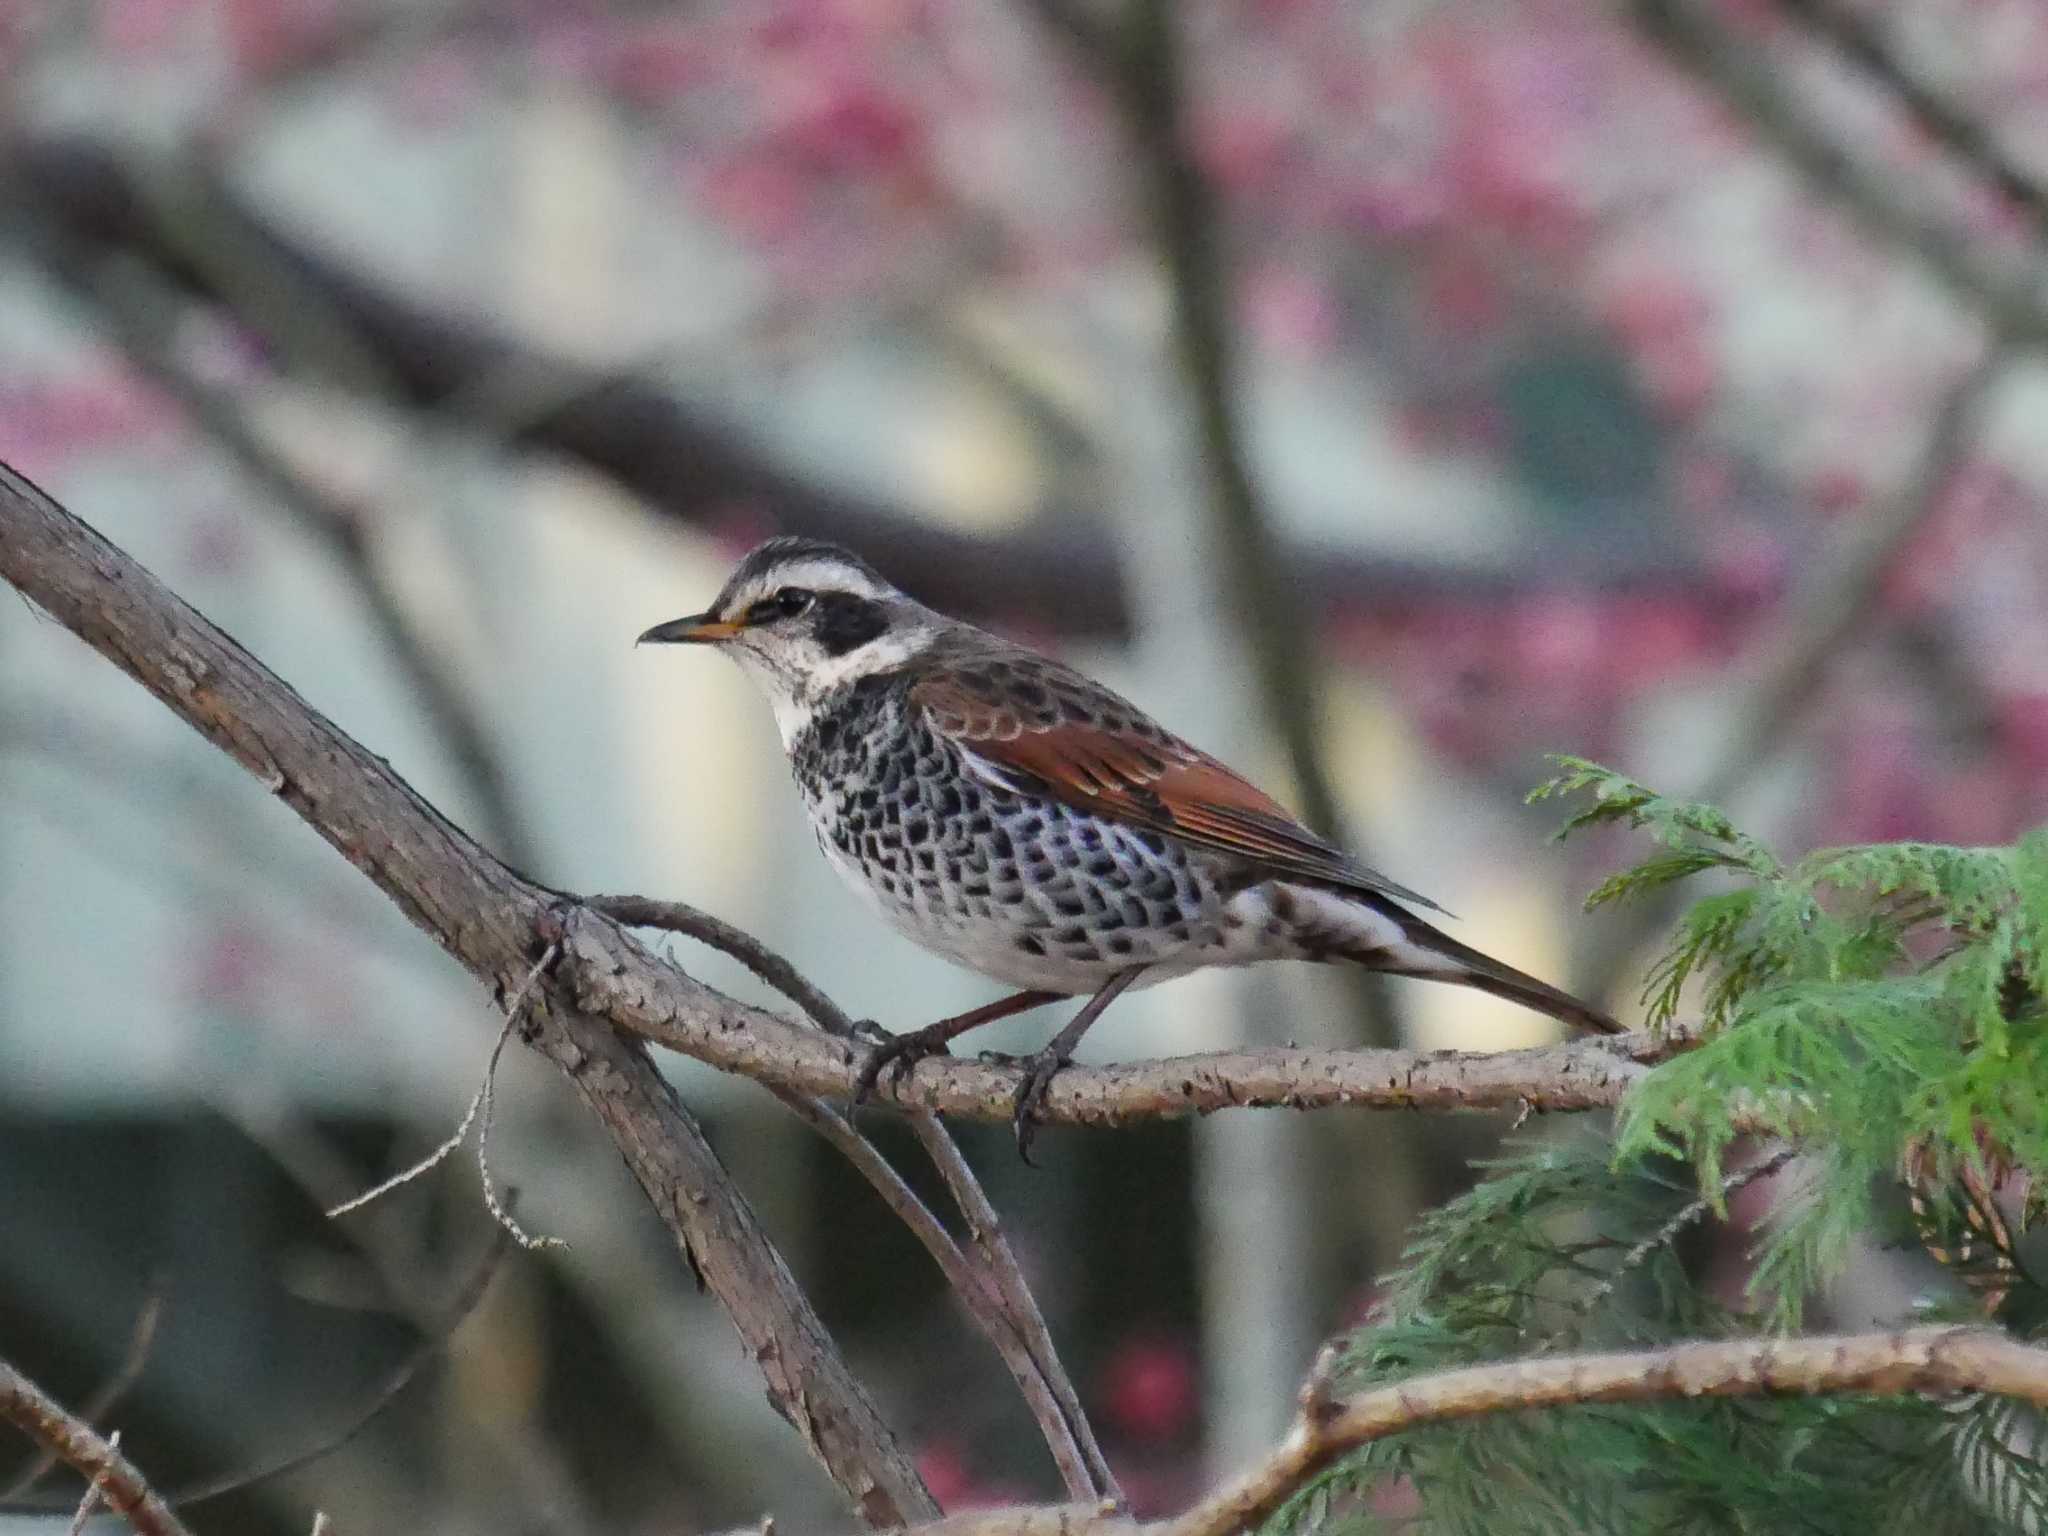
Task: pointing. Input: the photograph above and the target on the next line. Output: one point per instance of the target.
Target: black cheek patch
(846, 622)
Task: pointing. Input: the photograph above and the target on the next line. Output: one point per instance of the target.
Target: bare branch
(1094, 1476)
(94, 1490)
(608, 973)
(76, 1443)
(998, 1298)
(491, 920)
(141, 1340)
(1927, 1360)
(1933, 1361)
(988, 1306)
(765, 963)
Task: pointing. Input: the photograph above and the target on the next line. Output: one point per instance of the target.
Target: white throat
(794, 697)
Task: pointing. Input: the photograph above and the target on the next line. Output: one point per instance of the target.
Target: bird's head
(805, 618)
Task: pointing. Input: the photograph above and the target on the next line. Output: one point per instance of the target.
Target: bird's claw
(897, 1055)
(1029, 1104)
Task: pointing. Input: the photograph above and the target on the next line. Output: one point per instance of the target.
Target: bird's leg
(899, 1053)
(1057, 1053)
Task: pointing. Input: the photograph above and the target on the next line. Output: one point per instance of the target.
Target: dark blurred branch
(1834, 604)
(1756, 85)
(996, 1295)
(433, 1343)
(1860, 36)
(1264, 614)
(487, 917)
(1141, 68)
(435, 1334)
(522, 1454)
(1059, 571)
(76, 1443)
(138, 313)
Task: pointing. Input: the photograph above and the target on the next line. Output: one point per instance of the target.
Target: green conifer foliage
(1874, 1013)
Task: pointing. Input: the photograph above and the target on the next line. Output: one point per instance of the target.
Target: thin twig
(401, 1266)
(978, 1291)
(434, 1340)
(480, 1107)
(985, 1231)
(997, 1295)
(1684, 1218)
(94, 1492)
(76, 1443)
(141, 1339)
(765, 963)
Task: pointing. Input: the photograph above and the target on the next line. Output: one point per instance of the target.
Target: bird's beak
(697, 629)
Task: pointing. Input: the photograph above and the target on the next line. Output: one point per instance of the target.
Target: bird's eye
(791, 601)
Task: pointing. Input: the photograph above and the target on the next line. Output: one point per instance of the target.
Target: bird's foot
(1029, 1104)
(897, 1055)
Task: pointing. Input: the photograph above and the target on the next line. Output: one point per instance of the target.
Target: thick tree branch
(487, 918)
(1933, 1361)
(1920, 1360)
(39, 1416)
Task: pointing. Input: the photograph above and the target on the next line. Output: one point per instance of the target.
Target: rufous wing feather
(1039, 729)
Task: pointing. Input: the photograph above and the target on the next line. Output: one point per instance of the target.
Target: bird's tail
(1428, 952)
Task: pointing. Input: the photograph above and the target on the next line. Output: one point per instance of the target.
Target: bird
(1007, 812)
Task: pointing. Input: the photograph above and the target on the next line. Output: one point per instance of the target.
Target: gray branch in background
(1834, 605)
(1060, 569)
(138, 314)
(1860, 36)
(2008, 292)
